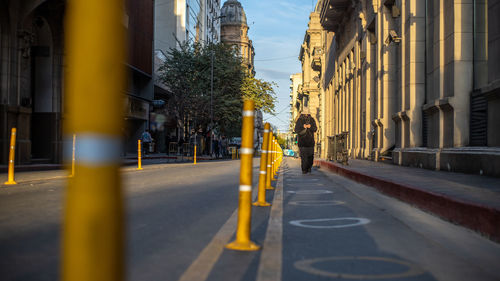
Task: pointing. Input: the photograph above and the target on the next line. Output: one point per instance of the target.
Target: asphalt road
(179, 216)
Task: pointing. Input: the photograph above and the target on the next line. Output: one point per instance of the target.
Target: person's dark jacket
(305, 135)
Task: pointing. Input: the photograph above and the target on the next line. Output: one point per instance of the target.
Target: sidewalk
(472, 201)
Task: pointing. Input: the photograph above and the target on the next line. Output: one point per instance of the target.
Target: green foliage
(281, 142)
(260, 91)
(187, 73)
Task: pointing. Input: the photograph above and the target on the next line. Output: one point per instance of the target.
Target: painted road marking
(318, 203)
(271, 260)
(202, 266)
(302, 179)
(310, 192)
(303, 223)
(306, 184)
(307, 266)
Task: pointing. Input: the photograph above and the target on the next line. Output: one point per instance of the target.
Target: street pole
(211, 99)
(211, 86)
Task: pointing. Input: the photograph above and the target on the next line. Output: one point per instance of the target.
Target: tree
(187, 72)
(260, 91)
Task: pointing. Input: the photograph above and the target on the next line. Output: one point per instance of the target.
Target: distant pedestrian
(146, 141)
(305, 127)
(223, 143)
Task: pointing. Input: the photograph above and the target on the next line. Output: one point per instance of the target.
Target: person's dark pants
(306, 158)
(145, 148)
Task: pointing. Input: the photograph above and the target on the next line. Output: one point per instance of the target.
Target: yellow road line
(202, 266)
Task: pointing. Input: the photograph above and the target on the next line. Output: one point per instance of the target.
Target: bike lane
(331, 234)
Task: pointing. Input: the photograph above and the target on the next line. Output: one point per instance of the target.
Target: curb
(482, 219)
(126, 162)
(33, 168)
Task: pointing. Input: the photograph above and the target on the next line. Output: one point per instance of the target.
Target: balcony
(316, 58)
(333, 11)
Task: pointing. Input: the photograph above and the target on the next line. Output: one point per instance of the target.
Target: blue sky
(277, 29)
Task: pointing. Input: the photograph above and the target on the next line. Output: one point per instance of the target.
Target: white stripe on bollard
(245, 188)
(98, 150)
(248, 113)
(244, 150)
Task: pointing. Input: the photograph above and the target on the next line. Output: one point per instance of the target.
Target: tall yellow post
(274, 159)
(73, 156)
(195, 154)
(243, 242)
(12, 156)
(261, 197)
(281, 156)
(139, 155)
(93, 231)
(269, 162)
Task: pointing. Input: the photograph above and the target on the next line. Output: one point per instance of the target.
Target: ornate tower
(234, 31)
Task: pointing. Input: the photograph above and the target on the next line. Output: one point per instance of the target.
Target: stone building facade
(295, 105)
(310, 55)
(234, 31)
(295, 102)
(414, 82)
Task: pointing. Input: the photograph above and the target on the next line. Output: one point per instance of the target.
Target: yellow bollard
(261, 198)
(139, 155)
(269, 162)
(281, 155)
(194, 154)
(12, 156)
(243, 242)
(94, 225)
(73, 157)
(274, 159)
(233, 153)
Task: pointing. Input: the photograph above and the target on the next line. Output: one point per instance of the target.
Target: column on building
(370, 68)
(388, 80)
(414, 71)
(450, 79)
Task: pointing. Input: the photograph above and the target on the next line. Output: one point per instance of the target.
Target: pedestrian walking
(223, 143)
(146, 141)
(305, 127)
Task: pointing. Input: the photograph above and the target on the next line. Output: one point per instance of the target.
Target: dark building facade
(32, 68)
(140, 30)
(31, 79)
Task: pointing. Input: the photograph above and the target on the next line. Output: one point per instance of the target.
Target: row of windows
(194, 20)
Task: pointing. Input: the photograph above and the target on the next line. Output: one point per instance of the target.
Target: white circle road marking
(303, 223)
(310, 192)
(317, 203)
(307, 266)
